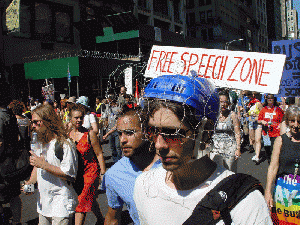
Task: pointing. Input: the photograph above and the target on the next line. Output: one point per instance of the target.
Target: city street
(245, 165)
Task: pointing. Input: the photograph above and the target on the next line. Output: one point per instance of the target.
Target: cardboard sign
(290, 81)
(251, 71)
(128, 80)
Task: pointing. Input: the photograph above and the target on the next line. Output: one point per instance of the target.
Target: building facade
(289, 18)
(261, 42)
(221, 23)
(274, 22)
(41, 30)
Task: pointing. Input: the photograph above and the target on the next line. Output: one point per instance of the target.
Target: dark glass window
(62, 26)
(201, 2)
(43, 21)
(190, 4)
(210, 34)
(46, 21)
(142, 3)
(204, 34)
(202, 17)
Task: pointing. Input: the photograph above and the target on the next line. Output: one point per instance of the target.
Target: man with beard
(182, 111)
(55, 166)
(120, 178)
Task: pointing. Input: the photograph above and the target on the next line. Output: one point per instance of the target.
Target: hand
(104, 137)
(36, 161)
(269, 200)
(237, 154)
(22, 188)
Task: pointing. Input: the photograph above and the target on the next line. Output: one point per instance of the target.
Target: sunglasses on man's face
(127, 132)
(35, 122)
(167, 133)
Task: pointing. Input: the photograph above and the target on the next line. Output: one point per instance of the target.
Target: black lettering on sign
(279, 211)
(297, 46)
(277, 50)
(292, 92)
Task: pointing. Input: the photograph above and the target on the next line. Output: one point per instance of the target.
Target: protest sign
(290, 81)
(251, 71)
(128, 80)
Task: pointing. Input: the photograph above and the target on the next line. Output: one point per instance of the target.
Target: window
(191, 19)
(42, 20)
(204, 34)
(201, 2)
(142, 3)
(45, 21)
(210, 34)
(249, 33)
(190, 4)
(209, 16)
(202, 17)
(192, 33)
(161, 6)
(143, 19)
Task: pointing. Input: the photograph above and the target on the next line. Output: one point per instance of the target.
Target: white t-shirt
(157, 203)
(56, 198)
(88, 120)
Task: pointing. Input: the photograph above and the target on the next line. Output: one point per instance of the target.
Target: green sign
(109, 35)
(56, 68)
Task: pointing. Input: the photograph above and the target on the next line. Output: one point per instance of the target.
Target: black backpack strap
(218, 202)
(59, 151)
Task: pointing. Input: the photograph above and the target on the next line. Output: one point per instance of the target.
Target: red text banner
(251, 71)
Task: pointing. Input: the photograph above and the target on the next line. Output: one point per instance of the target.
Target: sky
(297, 7)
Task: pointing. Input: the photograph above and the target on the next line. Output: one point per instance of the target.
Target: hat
(72, 99)
(83, 100)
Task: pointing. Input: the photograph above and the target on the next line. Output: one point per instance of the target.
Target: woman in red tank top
(91, 155)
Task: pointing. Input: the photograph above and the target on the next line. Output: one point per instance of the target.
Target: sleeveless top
(289, 156)
(224, 129)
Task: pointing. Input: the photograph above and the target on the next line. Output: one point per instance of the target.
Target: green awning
(56, 68)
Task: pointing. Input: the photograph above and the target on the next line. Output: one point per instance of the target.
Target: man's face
(123, 90)
(130, 133)
(173, 140)
(97, 101)
(37, 123)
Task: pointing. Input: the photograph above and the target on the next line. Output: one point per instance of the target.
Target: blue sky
(297, 7)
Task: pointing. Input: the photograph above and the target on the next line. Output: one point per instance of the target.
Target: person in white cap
(89, 121)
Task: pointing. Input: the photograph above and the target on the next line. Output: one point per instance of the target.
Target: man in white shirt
(55, 166)
(183, 110)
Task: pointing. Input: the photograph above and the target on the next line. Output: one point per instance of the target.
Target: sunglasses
(167, 133)
(35, 121)
(127, 132)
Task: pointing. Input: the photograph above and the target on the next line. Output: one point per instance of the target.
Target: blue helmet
(194, 91)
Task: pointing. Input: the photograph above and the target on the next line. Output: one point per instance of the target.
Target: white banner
(128, 80)
(251, 71)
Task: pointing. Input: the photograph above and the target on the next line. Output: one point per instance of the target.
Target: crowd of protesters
(153, 141)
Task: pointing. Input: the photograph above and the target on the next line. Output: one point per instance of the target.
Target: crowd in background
(247, 121)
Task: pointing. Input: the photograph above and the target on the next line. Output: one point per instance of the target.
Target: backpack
(218, 202)
(15, 167)
(14, 160)
(79, 181)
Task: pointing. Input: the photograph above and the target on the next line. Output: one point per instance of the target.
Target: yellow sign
(13, 16)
